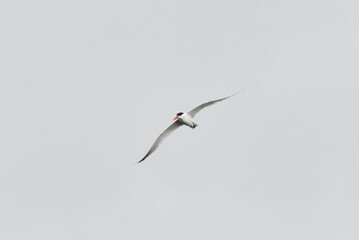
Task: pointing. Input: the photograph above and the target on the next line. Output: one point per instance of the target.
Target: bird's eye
(179, 114)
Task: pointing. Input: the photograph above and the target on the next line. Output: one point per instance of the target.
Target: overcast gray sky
(87, 86)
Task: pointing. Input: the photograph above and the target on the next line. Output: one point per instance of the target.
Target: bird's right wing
(160, 138)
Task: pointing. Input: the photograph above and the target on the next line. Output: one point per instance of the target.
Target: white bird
(182, 119)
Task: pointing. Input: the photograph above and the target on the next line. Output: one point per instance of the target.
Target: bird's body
(187, 120)
(181, 119)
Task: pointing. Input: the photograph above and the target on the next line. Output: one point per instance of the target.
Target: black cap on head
(179, 114)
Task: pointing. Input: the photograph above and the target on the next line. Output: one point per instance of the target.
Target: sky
(87, 86)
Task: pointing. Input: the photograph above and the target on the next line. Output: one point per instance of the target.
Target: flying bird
(182, 119)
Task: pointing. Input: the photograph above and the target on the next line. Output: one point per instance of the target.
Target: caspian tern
(182, 119)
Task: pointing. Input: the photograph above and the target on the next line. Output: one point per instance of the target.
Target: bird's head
(178, 115)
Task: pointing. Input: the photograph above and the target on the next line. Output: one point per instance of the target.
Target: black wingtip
(133, 164)
(139, 161)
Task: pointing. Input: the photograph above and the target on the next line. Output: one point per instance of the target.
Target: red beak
(175, 118)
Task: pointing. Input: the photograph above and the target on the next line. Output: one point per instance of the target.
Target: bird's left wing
(160, 138)
(195, 110)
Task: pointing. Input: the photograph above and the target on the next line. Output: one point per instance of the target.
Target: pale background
(87, 86)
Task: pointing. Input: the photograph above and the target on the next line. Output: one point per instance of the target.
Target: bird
(180, 120)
